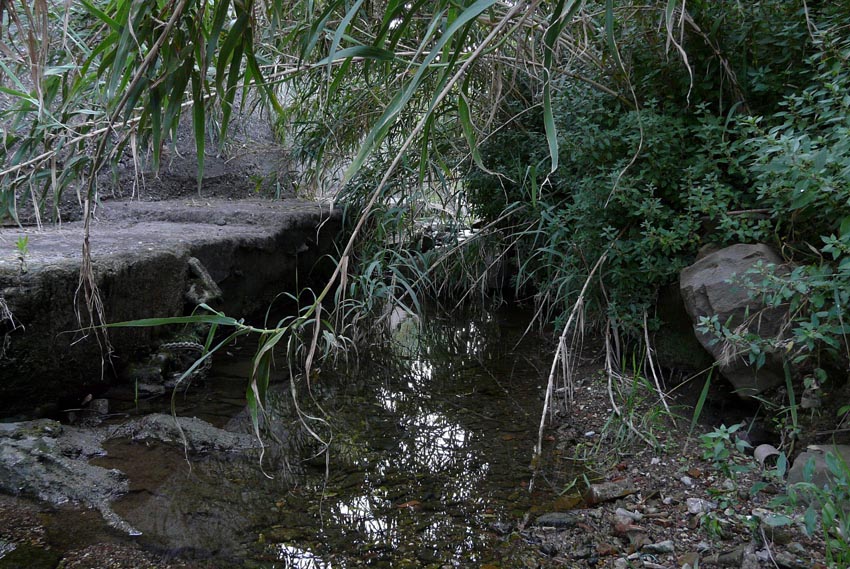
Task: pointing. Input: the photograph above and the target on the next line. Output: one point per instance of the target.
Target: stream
(418, 456)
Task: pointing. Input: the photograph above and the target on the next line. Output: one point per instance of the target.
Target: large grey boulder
(708, 288)
(821, 475)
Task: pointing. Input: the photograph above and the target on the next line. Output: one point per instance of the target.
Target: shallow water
(429, 445)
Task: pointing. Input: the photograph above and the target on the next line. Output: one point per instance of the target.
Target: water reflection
(295, 558)
(421, 432)
(360, 515)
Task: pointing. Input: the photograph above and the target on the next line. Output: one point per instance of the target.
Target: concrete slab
(252, 249)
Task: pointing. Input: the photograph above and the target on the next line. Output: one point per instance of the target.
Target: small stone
(549, 549)
(590, 433)
(660, 547)
(150, 389)
(787, 561)
(655, 461)
(621, 563)
(559, 519)
(749, 559)
(697, 506)
(690, 559)
(733, 557)
(100, 406)
(606, 549)
(687, 481)
(627, 515)
(502, 528)
(637, 540)
(606, 491)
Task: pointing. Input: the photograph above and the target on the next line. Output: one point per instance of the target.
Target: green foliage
(22, 244)
(649, 187)
(827, 506)
(97, 67)
(800, 169)
(725, 450)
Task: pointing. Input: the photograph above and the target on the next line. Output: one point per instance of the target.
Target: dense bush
(652, 186)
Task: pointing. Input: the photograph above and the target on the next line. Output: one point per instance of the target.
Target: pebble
(690, 559)
(609, 491)
(590, 433)
(660, 547)
(100, 406)
(559, 519)
(621, 563)
(787, 561)
(698, 506)
(687, 481)
(627, 515)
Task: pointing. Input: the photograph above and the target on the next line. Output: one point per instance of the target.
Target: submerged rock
(196, 434)
(44, 460)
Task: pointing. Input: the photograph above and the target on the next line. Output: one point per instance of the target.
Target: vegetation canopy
(595, 146)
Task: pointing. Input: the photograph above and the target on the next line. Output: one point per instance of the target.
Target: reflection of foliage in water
(420, 462)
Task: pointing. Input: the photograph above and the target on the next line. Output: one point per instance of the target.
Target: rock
(787, 561)
(697, 506)
(811, 399)
(820, 474)
(145, 374)
(560, 519)
(660, 547)
(627, 515)
(749, 559)
(502, 528)
(44, 460)
(690, 559)
(100, 406)
(150, 389)
(202, 288)
(606, 491)
(706, 291)
(198, 435)
(731, 558)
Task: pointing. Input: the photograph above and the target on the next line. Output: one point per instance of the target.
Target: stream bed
(417, 456)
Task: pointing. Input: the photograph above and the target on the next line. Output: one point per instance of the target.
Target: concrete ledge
(252, 249)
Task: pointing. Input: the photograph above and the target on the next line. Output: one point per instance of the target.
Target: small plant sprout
(22, 245)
